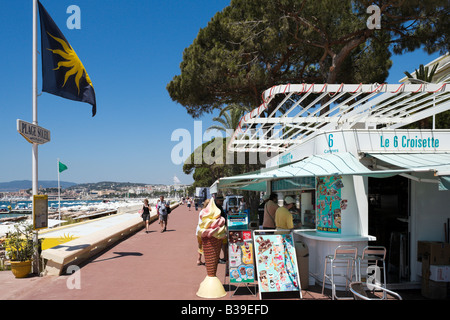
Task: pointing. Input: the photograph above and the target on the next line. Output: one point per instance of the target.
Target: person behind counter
(283, 217)
(270, 208)
(261, 210)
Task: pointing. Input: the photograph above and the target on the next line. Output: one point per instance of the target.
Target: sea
(52, 204)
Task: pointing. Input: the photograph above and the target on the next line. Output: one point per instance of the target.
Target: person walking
(146, 214)
(189, 203)
(163, 214)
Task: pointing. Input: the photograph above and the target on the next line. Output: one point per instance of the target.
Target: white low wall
(77, 251)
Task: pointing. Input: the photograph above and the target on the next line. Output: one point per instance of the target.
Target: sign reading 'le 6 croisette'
(33, 133)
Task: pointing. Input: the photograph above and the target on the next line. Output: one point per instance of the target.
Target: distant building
(442, 73)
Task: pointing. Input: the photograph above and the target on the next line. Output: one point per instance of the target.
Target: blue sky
(131, 50)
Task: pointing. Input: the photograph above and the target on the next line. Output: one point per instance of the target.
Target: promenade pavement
(154, 265)
(149, 266)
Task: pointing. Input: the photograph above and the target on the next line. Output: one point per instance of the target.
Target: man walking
(162, 212)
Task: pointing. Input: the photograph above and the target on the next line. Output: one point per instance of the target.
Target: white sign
(356, 141)
(33, 133)
(408, 141)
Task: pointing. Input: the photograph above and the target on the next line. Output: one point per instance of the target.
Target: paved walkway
(154, 266)
(151, 265)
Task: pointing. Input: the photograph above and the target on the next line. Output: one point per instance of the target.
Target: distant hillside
(17, 185)
(111, 185)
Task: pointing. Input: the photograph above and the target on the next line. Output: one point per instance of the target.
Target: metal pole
(59, 192)
(35, 122)
(434, 114)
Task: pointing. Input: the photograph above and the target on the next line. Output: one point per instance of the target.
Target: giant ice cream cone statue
(212, 230)
(211, 251)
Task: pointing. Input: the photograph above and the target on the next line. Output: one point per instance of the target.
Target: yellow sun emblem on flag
(72, 61)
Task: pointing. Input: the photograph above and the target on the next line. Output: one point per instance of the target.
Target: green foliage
(211, 161)
(423, 74)
(442, 120)
(207, 163)
(19, 243)
(253, 45)
(229, 118)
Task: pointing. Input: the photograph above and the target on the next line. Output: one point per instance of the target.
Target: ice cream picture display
(276, 263)
(240, 255)
(329, 204)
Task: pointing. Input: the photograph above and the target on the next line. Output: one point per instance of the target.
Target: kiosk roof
(293, 113)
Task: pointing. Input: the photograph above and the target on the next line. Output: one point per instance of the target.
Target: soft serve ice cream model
(212, 230)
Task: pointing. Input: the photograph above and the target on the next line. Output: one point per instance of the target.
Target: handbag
(168, 209)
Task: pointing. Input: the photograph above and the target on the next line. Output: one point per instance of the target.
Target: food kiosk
(325, 142)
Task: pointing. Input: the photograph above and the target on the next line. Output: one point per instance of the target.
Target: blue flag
(63, 73)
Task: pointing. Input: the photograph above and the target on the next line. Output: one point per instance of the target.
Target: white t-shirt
(162, 207)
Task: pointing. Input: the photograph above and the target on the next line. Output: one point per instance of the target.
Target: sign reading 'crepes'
(33, 133)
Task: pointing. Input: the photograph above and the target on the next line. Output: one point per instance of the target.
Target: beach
(70, 210)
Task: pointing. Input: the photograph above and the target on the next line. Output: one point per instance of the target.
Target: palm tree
(229, 117)
(423, 76)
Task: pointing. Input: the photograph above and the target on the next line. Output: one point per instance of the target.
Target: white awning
(312, 166)
(437, 162)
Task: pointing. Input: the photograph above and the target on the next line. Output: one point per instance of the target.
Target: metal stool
(358, 290)
(344, 256)
(372, 256)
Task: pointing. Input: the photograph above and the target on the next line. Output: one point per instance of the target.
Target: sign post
(36, 135)
(40, 212)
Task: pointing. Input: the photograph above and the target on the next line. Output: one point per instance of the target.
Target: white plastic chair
(345, 256)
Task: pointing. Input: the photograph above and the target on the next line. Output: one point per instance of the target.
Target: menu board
(40, 212)
(329, 203)
(240, 256)
(276, 263)
(237, 221)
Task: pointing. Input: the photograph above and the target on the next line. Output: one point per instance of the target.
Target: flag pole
(59, 192)
(35, 122)
(35, 118)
